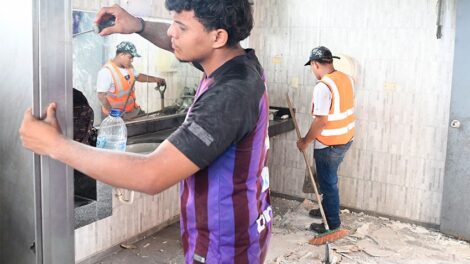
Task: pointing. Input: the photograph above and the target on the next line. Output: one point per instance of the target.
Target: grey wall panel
(17, 218)
(456, 196)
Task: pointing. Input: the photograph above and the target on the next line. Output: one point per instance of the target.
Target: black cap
(321, 54)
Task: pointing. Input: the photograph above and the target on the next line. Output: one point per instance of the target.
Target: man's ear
(220, 38)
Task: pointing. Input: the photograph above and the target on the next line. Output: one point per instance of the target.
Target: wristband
(142, 23)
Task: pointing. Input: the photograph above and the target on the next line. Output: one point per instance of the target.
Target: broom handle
(307, 162)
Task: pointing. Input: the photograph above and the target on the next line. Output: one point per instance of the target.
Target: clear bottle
(112, 133)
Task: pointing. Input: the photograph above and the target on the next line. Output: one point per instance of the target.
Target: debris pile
(371, 240)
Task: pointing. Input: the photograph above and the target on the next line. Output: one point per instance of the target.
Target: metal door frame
(52, 60)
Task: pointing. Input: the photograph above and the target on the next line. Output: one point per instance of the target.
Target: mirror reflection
(129, 73)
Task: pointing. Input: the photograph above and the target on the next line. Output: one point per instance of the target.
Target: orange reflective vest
(341, 119)
(123, 89)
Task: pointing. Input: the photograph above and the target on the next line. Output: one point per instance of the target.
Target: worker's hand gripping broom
(329, 235)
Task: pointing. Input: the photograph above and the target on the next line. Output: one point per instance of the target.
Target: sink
(142, 148)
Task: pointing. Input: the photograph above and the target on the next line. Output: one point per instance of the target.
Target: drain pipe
(439, 19)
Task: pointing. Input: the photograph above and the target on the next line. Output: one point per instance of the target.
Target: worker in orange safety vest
(331, 131)
(115, 82)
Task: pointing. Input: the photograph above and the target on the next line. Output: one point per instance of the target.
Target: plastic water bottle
(113, 132)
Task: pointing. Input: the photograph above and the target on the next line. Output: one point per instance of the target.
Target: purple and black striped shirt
(225, 207)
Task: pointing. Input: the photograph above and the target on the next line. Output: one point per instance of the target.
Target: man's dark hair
(234, 16)
(121, 51)
(324, 62)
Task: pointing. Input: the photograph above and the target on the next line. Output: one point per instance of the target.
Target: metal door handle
(455, 124)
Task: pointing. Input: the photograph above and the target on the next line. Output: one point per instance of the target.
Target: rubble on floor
(371, 240)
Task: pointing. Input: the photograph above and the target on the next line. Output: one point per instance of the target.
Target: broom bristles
(329, 236)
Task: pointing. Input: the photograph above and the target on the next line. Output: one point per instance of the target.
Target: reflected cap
(127, 47)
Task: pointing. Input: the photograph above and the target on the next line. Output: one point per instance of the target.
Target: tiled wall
(404, 74)
(127, 221)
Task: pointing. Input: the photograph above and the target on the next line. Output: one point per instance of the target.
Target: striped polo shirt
(225, 207)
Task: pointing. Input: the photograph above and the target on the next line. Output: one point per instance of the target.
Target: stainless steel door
(17, 203)
(455, 216)
(36, 193)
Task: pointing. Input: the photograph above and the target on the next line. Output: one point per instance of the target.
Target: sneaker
(315, 213)
(320, 228)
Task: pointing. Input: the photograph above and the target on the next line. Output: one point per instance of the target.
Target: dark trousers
(327, 161)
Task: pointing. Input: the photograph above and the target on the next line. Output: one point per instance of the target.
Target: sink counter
(276, 127)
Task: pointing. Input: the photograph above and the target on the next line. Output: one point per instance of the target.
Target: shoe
(315, 213)
(320, 228)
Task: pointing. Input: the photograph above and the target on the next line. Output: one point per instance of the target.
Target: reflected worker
(115, 83)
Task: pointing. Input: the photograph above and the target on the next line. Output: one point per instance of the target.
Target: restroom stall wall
(456, 198)
(17, 203)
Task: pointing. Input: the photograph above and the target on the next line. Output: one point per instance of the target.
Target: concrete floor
(372, 240)
(162, 247)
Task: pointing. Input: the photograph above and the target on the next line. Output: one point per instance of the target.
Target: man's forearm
(317, 126)
(151, 173)
(87, 160)
(156, 32)
(146, 78)
(104, 101)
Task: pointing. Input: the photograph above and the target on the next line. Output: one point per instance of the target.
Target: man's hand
(161, 82)
(41, 136)
(125, 23)
(302, 144)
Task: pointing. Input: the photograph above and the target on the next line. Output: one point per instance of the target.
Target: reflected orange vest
(341, 119)
(123, 89)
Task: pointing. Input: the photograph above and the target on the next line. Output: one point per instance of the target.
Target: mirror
(93, 200)
(91, 52)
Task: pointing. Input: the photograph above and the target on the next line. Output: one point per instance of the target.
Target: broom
(329, 235)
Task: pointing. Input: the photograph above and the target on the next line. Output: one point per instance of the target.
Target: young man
(115, 83)
(332, 130)
(218, 154)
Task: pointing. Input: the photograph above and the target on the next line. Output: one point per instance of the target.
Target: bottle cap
(115, 113)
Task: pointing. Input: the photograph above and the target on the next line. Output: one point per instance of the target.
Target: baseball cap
(321, 54)
(127, 47)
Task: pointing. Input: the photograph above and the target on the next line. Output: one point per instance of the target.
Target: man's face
(126, 59)
(315, 69)
(189, 39)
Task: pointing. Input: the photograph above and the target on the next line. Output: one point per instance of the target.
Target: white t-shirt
(105, 83)
(321, 105)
